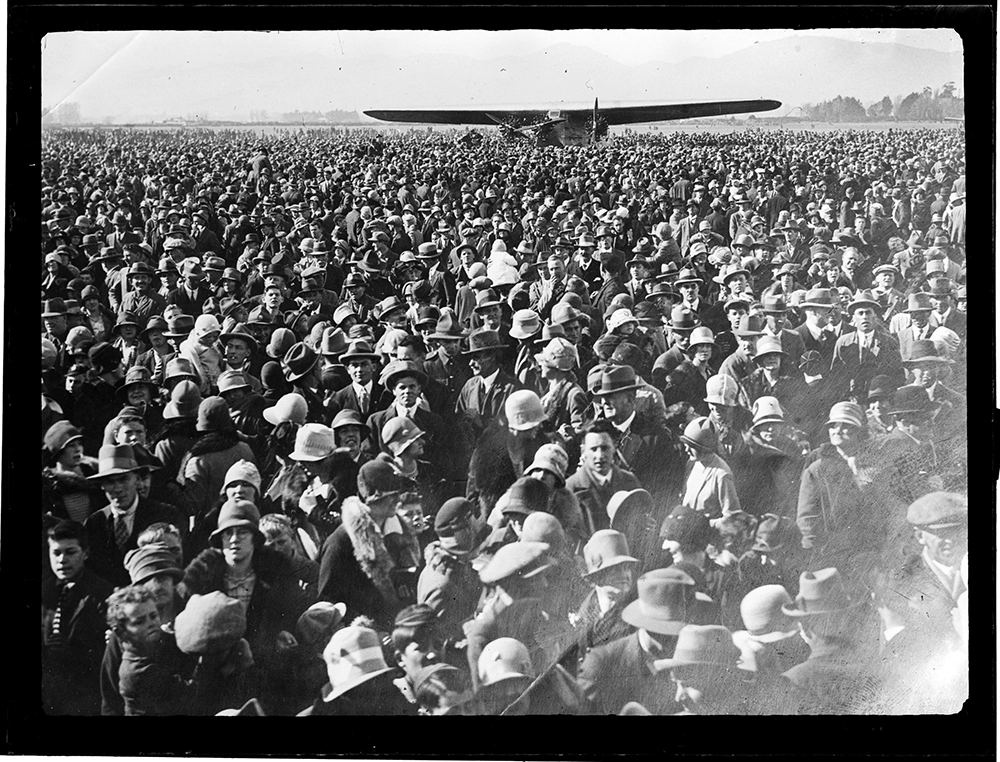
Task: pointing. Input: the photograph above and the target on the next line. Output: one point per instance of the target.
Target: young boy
(73, 613)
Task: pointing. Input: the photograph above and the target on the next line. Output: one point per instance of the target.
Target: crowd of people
(356, 423)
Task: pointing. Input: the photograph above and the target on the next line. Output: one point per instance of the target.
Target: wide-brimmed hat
(750, 325)
(661, 607)
(700, 336)
(523, 559)
(486, 298)
(864, 298)
(387, 305)
(564, 312)
(761, 612)
(774, 304)
(617, 378)
(333, 343)
(125, 318)
(820, 592)
(910, 399)
(313, 442)
(370, 263)
(239, 331)
(687, 275)
(399, 368)
(113, 460)
(484, 340)
(526, 324)
(290, 407)
(606, 549)
(137, 375)
(298, 361)
(151, 560)
(154, 323)
(768, 345)
(820, 297)
(353, 656)
(448, 327)
(709, 645)
(358, 349)
(925, 350)
(683, 319)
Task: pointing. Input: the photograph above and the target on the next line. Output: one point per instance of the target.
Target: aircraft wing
(459, 116)
(613, 115)
(636, 114)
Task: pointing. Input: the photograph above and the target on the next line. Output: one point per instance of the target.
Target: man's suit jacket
(823, 346)
(190, 306)
(451, 377)
(347, 399)
(431, 423)
(957, 321)
(481, 407)
(906, 338)
(106, 560)
(616, 673)
(594, 498)
(851, 369)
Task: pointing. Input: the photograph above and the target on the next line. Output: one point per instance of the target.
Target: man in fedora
(482, 397)
(444, 286)
(818, 304)
(918, 312)
(300, 365)
(644, 447)
(141, 300)
(866, 352)
(192, 292)
(446, 364)
(114, 530)
(841, 674)
(623, 670)
(364, 394)
(945, 314)
(928, 369)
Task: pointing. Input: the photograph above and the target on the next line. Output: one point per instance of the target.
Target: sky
(75, 64)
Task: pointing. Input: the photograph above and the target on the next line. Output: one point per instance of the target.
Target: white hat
(621, 317)
(313, 442)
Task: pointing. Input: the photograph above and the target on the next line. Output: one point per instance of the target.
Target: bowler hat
(661, 607)
(820, 592)
(151, 560)
(523, 559)
(939, 510)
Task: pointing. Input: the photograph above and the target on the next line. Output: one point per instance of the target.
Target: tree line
(926, 106)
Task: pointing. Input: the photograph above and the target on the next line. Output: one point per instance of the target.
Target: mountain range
(795, 70)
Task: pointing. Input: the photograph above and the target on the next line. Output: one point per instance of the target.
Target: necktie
(363, 401)
(56, 636)
(121, 532)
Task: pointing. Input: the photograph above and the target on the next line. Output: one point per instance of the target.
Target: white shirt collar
(624, 425)
(367, 388)
(128, 511)
(488, 380)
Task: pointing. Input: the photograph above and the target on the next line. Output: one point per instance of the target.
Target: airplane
(570, 127)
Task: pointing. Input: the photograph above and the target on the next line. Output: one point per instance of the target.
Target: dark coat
(480, 408)
(851, 370)
(190, 305)
(651, 454)
(594, 497)
(276, 604)
(377, 696)
(347, 399)
(491, 471)
(616, 673)
(71, 670)
(450, 586)
(834, 680)
(105, 559)
(520, 620)
(767, 476)
(357, 568)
